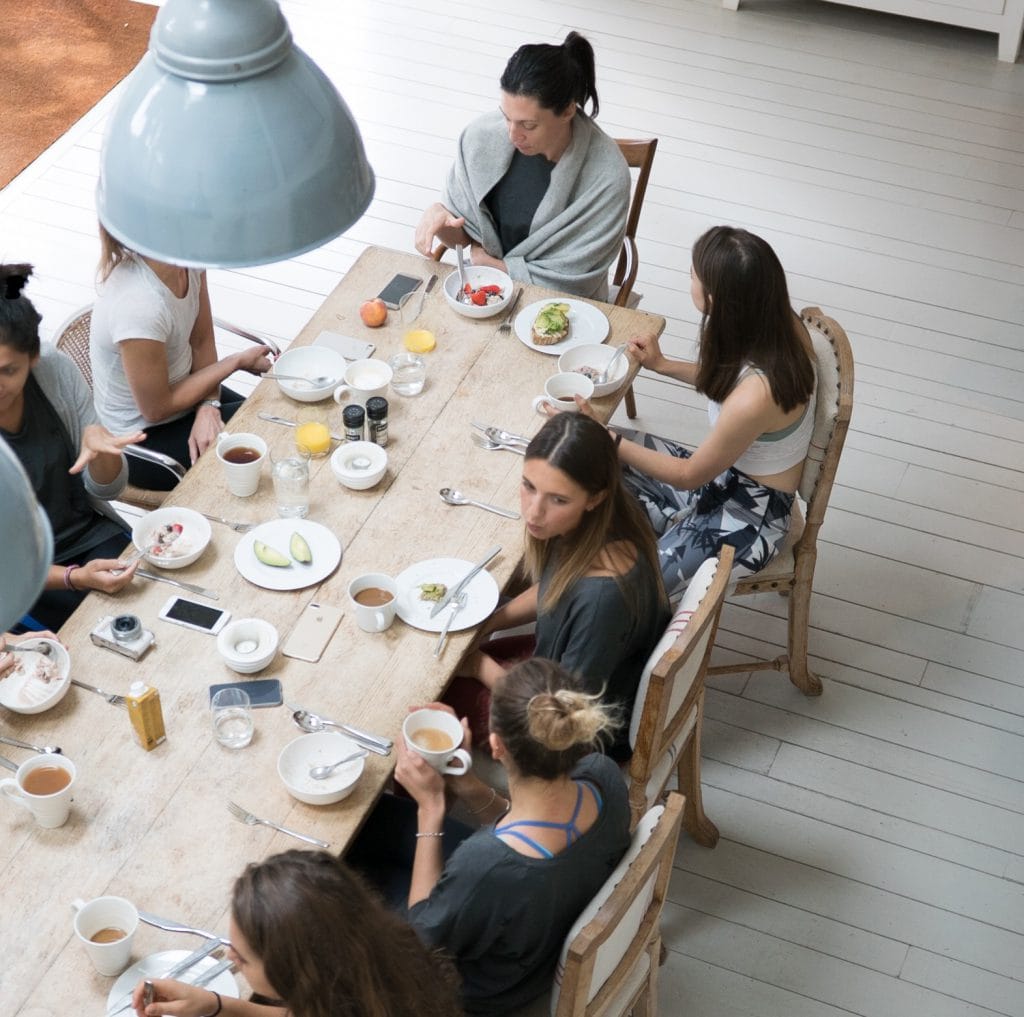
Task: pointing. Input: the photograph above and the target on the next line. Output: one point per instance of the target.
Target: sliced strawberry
(491, 288)
(479, 298)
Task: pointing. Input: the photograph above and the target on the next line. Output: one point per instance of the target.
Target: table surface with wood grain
(154, 826)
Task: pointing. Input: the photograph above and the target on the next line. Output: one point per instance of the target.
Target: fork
(506, 325)
(237, 527)
(481, 442)
(457, 605)
(250, 820)
(111, 697)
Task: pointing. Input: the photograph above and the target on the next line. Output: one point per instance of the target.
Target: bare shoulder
(616, 559)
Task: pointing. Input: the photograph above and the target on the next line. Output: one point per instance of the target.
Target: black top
(514, 199)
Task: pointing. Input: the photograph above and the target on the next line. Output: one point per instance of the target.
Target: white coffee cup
(439, 723)
(99, 915)
(373, 617)
(560, 390)
(242, 478)
(51, 809)
(363, 379)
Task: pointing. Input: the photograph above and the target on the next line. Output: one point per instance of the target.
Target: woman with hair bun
(538, 189)
(500, 900)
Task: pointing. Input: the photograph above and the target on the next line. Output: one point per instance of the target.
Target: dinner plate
(156, 965)
(482, 600)
(323, 545)
(586, 325)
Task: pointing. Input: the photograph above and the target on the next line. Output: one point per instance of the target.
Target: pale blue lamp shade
(229, 146)
(28, 541)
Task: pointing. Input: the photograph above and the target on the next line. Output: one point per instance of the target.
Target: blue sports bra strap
(595, 791)
(539, 848)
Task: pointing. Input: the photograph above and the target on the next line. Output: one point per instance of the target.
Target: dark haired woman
(74, 464)
(312, 941)
(755, 365)
(500, 900)
(538, 189)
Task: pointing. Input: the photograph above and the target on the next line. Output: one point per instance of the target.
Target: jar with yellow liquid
(416, 336)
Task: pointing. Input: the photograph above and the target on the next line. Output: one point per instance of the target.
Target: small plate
(324, 546)
(482, 600)
(586, 325)
(156, 965)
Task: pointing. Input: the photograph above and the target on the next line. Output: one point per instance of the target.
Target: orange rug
(58, 58)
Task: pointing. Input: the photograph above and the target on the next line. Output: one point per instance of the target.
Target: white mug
(373, 617)
(242, 478)
(441, 726)
(560, 389)
(50, 809)
(106, 916)
(363, 379)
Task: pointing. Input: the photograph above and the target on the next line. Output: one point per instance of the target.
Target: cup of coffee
(43, 785)
(363, 380)
(374, 598)
(242, 457)
(560, 390)
(106, 926)
(437, 737)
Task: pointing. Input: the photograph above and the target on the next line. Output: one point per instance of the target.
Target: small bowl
(476, 276)
(23, 691)
(247, 645)
(310, 362)
(195, 535)
(319, 749)
(597, 356)
(359, 479)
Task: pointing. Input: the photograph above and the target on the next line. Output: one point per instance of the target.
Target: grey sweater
(578, 228)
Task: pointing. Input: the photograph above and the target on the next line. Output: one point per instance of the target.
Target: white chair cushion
(825, 410)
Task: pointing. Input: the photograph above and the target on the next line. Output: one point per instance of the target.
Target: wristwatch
(215, 403)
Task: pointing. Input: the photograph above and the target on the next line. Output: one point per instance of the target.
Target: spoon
(455, 497)
(320, 381)
(463, 282)
(501, 436)
(46, 749)
(44, 648)
(486, 443)
(313, 722)
(603, 377)
(323, 772)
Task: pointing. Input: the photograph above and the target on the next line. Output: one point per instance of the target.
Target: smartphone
(312, 632)
(349, 348)
(399, 286)
(261, 691)
(200, 617)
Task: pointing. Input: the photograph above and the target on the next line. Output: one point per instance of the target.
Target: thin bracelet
(439, 833)
(486, 805)
(67, 578)
(220, 1004)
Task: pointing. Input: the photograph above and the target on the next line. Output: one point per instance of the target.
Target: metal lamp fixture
(229, 146)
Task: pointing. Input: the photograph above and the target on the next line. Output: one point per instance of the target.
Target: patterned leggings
(693, 525)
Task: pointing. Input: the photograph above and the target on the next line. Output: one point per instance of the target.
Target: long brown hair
(330, 949)
(584, 451)
(112, 253)
(748, 319)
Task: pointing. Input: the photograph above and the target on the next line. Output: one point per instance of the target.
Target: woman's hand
(424, 784)
(177, 999)
(256, 359)
(108, 575)
(98, 441)
(7, 659)
(584, 407)
(478, 256)
(205, 429)
(437, 221)
(646, 350)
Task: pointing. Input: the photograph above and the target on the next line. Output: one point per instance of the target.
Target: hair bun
(14, 278)
(559, 720)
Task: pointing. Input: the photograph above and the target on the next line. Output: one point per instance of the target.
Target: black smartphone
(261, 691)
(399, 286)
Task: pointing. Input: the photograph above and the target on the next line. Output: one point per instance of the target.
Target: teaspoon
(603, 377)
(456, 497)
(320, 381)
(45, 749)
(313, 722)
(323, 772)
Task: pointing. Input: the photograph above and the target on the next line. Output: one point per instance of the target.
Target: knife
(191, 587)
(193, 958)
(4, 761)
(463, 583)
(171, 926)
(289, 423)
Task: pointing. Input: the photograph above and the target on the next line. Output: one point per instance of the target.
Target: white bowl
(319, 749)
(476, 276)
(195, 535)
(247, 645)
(359, 480)
(597, 356)
(310, 362)
(24, 691)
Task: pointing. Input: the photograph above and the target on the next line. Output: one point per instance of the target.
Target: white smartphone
(200, 617)
(312, 632)
(349, 348)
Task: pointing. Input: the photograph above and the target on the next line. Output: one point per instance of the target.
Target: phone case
(349, 348)
(312, 632)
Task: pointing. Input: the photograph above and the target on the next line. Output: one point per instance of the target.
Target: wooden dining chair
(791, 572)
(665, 729)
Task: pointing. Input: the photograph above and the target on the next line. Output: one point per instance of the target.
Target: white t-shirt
(134, 304)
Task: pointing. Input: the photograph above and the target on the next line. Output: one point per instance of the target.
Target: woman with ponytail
(538, 189)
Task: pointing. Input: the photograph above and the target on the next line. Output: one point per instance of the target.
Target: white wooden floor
(872, 852)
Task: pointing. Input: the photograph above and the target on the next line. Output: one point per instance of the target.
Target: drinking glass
(416, 335)
(290, 472)
(408, 373)
(232, 718)
(312, 431)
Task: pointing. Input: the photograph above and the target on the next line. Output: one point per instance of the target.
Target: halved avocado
(269, 556)
(300, 549)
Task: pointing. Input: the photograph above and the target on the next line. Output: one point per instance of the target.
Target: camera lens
(126, 628)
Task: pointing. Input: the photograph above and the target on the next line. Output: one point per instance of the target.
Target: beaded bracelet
(220, 1005)
(67, 578)
(439, 833)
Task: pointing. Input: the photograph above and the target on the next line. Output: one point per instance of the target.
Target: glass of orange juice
(312, 433)
(416, 336)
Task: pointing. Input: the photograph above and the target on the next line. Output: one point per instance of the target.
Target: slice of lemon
(420, 340)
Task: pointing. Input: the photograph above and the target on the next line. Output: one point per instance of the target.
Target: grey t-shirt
(504, 916)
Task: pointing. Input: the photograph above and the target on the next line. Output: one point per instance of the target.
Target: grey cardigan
(578, 227)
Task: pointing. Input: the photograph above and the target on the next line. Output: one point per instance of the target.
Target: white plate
(483, 594)
(324, 546)
(586, 325)
(156, 965)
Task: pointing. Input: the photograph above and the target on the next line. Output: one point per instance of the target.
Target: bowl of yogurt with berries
(171, 537)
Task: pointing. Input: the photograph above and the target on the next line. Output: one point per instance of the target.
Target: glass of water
(408, 373)
(290, 472)
(232, 718)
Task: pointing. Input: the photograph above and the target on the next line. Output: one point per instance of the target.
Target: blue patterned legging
(693, 525)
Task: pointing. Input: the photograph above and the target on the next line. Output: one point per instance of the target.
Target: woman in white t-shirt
(154, 359)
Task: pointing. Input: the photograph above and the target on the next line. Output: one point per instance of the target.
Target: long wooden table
(154, 826)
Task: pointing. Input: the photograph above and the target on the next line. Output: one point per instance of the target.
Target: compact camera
(123, 634)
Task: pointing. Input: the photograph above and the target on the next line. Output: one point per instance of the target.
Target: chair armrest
(263, 340)
(158, 458)
(438, 252)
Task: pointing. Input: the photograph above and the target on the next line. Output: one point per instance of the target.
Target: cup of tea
(560, 391)
(374, 598)
(242, 458)
(43, 785)
(106, 925)
(363, 379)
(437, 737)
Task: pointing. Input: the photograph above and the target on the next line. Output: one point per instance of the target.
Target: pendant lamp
(229, 146)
